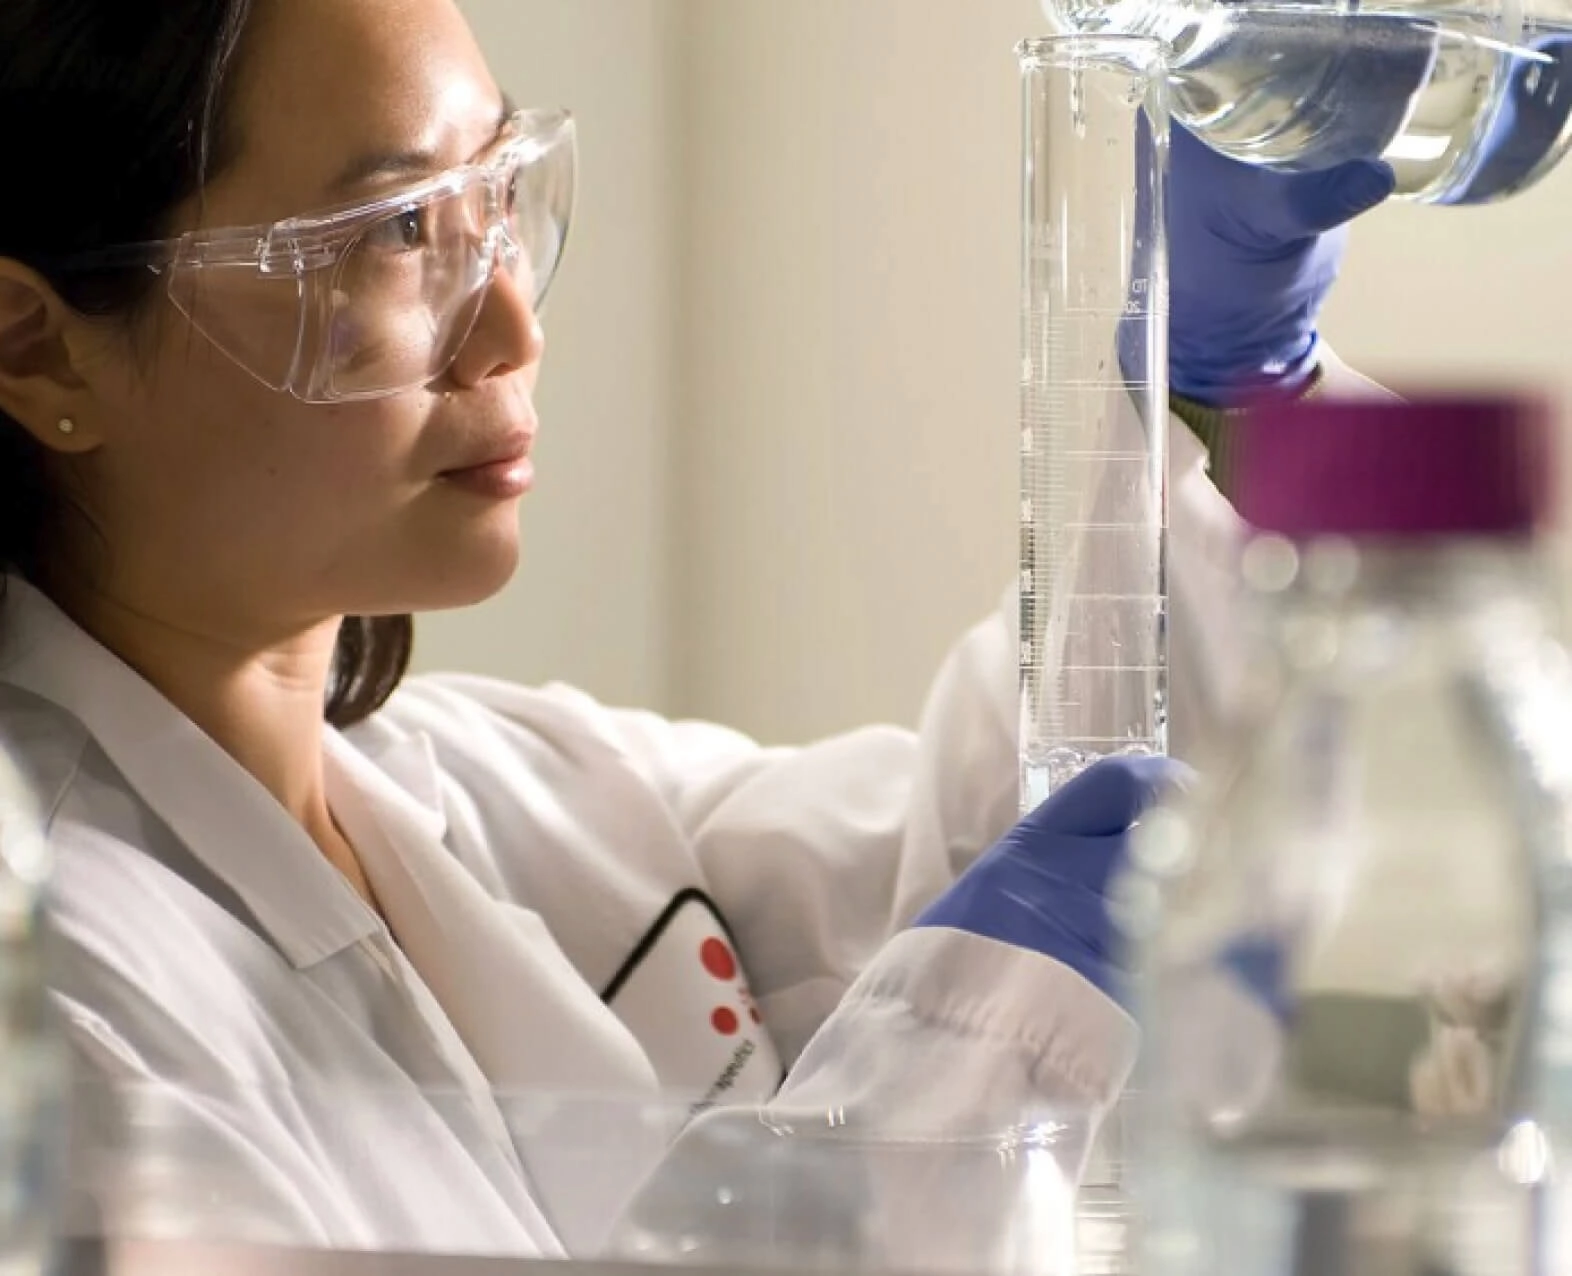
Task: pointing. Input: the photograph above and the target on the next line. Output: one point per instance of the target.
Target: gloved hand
(1043, 885)
(1253, 254)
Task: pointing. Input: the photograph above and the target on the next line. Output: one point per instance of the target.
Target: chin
(483, 577)
(465, 576)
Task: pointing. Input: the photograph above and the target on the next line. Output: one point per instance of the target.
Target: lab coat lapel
(529, 1018)
(572, 1083)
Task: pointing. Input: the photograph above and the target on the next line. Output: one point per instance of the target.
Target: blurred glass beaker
(1094, 406)
(33, 1060)
(657, 1180)
(746, 1189)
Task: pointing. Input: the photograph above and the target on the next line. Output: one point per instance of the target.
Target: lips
(499, 453)
(499, 470)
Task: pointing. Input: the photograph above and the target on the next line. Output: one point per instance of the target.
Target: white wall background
(593, 602)
(778, 466)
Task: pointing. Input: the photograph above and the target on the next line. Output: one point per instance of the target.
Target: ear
(39, 385)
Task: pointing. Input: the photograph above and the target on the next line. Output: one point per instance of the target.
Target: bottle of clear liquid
(1355, 937)
(34, 1070)
(1470, 101)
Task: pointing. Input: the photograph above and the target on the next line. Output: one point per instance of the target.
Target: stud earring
(66, 426)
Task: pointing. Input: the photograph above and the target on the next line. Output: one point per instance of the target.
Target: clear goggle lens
(405, 297)
(389, 309)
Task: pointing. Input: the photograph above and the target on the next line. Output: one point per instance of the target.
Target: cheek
(207, 446)
(309, 507)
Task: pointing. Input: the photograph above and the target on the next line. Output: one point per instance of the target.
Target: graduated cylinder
(1094, 406)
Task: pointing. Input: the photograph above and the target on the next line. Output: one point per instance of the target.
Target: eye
(402, 232)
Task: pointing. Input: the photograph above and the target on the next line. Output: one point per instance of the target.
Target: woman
(268, 337)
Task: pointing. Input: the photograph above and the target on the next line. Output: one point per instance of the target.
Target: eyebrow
(381, 165)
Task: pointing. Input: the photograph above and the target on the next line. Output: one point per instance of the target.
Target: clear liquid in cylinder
(1467, 103)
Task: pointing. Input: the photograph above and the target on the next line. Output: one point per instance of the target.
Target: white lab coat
(538, 856)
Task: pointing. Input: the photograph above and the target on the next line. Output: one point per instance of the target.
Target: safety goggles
(377, 297)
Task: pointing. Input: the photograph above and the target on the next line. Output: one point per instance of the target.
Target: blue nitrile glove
(1253, 254)
(1043, 885)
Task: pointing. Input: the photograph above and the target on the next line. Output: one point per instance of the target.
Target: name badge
(684, 995)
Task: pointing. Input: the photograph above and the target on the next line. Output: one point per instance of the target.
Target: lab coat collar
(402, 778)
(214, 806)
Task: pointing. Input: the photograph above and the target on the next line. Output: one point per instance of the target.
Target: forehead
(323, 82)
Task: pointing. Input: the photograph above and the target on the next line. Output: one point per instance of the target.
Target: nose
(507, 336)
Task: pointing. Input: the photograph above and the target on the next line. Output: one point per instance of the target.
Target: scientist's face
(220, 499)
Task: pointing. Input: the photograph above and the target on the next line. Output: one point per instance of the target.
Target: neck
(258, 695)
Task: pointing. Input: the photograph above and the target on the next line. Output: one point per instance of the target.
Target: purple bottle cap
(1425, 466)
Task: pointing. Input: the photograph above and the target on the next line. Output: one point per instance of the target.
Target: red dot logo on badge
(717, 959)
(724, 1021)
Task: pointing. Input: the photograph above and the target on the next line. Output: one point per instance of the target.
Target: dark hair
(117, 112)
